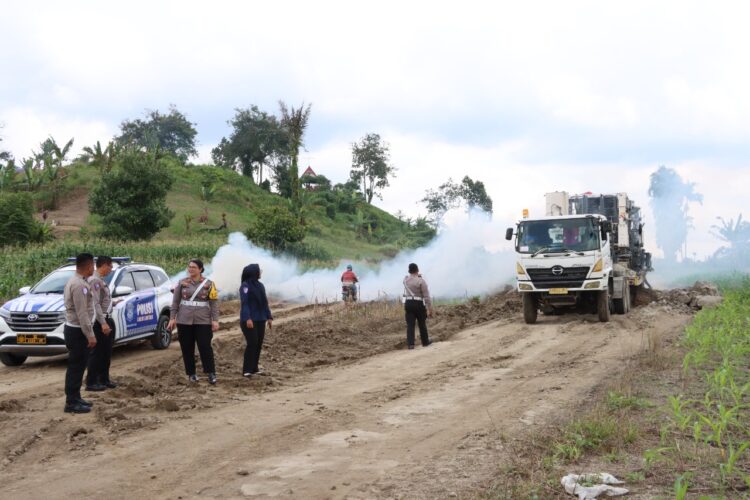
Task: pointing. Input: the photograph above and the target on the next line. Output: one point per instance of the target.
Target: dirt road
(345, 411)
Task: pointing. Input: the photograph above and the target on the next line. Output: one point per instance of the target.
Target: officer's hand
(214, 326)
(430, 313)
(249, 324)
(106, 330)
(171, 324)
(92, 342)
(270, 324)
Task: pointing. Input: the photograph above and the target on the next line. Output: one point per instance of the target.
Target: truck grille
(570, 277)
(45, 321)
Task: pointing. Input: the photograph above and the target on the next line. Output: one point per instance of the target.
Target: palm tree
(103, 159)
(7, 175)
(294, 122)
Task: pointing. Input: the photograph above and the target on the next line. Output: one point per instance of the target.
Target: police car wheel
(9, 359)
(162, 337)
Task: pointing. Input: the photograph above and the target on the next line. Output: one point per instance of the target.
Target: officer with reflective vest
(417, 306)
(195, 311)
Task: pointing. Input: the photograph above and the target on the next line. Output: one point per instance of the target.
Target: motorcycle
(349, 292)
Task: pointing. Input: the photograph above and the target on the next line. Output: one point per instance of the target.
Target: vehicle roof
(558, 217)
(116, 266)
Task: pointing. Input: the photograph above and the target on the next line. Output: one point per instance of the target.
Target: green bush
(131, 199)
(308, 251)
(17, 224)
(275, 228)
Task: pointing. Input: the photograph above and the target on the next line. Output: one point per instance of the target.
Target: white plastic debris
(600, 484)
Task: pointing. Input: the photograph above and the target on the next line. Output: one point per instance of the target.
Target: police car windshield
(559, 235)
(55, 282)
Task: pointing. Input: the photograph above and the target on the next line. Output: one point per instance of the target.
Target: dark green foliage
(371, 165)
(131, 198)
(257, 139)
(308, 252)
(17, 224)
(275, 228)
(294, 121)
(316, 182)
(170, 133)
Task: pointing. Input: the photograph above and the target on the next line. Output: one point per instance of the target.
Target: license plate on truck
(558, 291)
(33, 338)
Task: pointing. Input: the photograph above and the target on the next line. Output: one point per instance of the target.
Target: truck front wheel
(602, 305)
(530, 308)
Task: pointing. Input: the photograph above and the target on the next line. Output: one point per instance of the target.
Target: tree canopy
(169, 133)
(452, 195)
(371, 165)
(294, 121)
(257, 140)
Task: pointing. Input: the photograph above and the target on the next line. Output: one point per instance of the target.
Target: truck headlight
(524, 286)
(593, 284)
(519, 269)
(598, 266)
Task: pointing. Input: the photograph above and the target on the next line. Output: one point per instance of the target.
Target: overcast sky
(528, 97)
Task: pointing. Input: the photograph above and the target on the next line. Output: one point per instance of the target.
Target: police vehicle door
(140, 314)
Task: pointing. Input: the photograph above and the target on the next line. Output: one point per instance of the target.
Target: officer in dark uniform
(195, 311)
(97, 376)
(78, 331)
(417, 306)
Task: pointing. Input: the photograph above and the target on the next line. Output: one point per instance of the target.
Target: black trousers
(416, 312)
(254, 338)
(78, 355)
(101, 356)
(190, 335)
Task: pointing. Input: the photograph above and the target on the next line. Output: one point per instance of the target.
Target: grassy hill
(335, 230)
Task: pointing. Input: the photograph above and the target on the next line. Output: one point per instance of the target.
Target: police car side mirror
(509, 234)
(122, 290)
(24, 290)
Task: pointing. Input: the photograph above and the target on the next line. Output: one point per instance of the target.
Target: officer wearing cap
(417, 306)
(97, 376)
(78, 331)
(195, 311)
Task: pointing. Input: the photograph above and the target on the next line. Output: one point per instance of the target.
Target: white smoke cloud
(471, 257)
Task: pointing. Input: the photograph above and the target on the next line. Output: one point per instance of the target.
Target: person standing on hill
(195, 311)
(254, 316)
(417, 306)
(79, 334)
(97, 376)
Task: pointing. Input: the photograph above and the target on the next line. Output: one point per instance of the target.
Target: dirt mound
(696, 297)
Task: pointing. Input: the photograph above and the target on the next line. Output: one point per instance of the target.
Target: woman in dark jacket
(254, 315)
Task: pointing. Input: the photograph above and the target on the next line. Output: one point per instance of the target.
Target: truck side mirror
(605, 227)
(509, 234)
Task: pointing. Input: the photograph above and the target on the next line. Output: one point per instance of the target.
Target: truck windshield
(559, 235)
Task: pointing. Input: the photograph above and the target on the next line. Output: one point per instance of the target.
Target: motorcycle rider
(349, 281)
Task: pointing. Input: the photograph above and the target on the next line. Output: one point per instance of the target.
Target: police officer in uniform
(97, 376)
(195, 311)
(417, 306)
(78, 331)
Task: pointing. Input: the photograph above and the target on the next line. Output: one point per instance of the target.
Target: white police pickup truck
(32, 324)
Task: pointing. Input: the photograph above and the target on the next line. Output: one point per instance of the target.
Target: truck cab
(573, 261)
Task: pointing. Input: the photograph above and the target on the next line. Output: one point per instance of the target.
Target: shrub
(17, 224)
(275, 228)
(131, 199)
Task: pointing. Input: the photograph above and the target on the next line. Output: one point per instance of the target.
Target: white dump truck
(586, 254)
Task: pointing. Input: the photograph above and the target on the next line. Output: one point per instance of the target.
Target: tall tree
(257, 138)
(52, 158)
(172, 133)
(294, 121)
(670, 199)
(451, 195)
(371, 165)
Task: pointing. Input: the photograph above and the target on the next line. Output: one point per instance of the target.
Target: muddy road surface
(343, 411)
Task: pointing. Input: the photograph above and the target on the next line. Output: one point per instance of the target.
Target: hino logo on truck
(557, 270)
